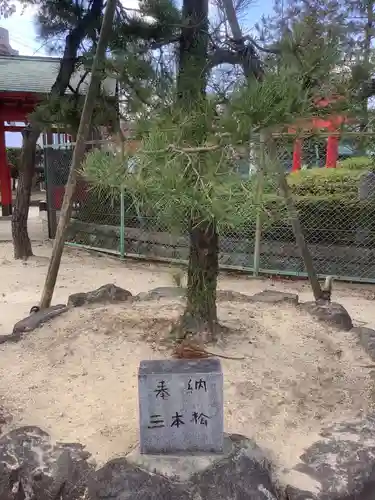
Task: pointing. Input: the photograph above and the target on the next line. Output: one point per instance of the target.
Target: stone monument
(181, 406)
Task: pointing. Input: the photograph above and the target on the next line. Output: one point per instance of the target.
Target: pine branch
(174, 149)
(267, 50)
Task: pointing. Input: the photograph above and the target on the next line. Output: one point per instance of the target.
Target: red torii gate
(24, 82)
(14, 107)
(331, 124)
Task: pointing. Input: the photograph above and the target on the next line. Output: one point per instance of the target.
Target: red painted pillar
(5, 179)
(297, 155)
(332, 151)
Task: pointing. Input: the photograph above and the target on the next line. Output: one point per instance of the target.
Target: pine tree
(315, 22)
(347, 24)
(185, 168)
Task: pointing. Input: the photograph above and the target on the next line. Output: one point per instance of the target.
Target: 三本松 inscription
(181, 406)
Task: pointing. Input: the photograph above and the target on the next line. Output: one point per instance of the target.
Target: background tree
(361, 35)
(7, 8)
(77, 21)
(328, 18)
(349, 24)
(71, 29)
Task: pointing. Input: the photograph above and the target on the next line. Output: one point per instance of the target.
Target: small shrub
(357, 163)
(13, 156)
(324, 182)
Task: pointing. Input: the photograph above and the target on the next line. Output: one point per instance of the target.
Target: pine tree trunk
(203, 271)
(200, 313)
(20, 235)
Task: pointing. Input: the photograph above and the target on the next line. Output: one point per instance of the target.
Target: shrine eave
(36, 75)
(20, 98)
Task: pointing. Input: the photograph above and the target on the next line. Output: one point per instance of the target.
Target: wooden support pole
(294, 219)
(78, 154)
(261, 167)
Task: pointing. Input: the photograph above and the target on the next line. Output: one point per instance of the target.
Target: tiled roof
(38, 74)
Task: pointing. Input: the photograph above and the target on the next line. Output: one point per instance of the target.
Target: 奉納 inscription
(161, 390)
(197, 385)
(181, 406)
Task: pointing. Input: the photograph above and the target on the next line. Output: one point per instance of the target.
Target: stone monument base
(180, 466)
(241, 471)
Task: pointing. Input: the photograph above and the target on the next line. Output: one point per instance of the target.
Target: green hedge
(325, 182)
(357, 163)
(340, 181)
(13, 155)
(328, 205)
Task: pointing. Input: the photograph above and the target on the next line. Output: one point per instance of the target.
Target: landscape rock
(34, 320)
(275, 297)
(32, 468)
(242, 472)
(332, 313)
(106, 293)
(5, 418)
(366, 338)
(173, 292)
(11, 337)
(162, 292)
(231, 296)
(339, 466)
(341, 463)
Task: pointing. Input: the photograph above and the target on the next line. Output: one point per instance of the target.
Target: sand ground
(76, 377)
(37, 227)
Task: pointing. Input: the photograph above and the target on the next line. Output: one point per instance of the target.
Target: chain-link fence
(336, 208)
(87, 206)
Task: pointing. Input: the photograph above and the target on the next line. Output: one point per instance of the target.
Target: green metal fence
(339, 227)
